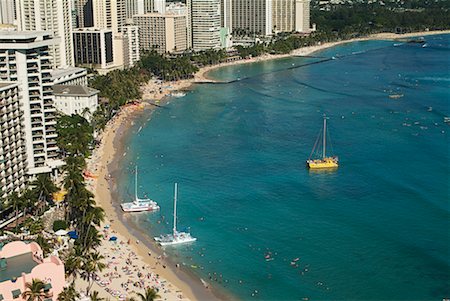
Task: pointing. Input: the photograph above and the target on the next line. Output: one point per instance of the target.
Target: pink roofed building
(22, 262)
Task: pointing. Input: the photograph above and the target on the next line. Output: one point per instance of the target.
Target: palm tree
(16, 203)
(43, 243)
(94, 216)
(74, 262)
(95, 297)
(68, 294)
(34, 291)
(28, 200)
(92, 264)
(149, 295)
(44, 186)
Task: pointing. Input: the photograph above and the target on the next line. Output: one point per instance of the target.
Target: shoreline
(104, 164)
(105, 159)
(202, 74)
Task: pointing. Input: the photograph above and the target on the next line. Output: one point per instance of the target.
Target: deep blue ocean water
(378, 228)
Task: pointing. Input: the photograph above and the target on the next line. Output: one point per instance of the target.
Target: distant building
(283, 15)
(266, 17)
(25, 57)
(134, 7)
(50, 15)
(69, 76)
(162, 32)
(131, 51)
(159, 6)
(84, 13)
(22, 262)
(7, 12)
(302, 16)
(79, 100)
(94, 48)
(226, 14)
(204, 18)
(13, 158)
(252, 17)
(109, 14)
(154, 6)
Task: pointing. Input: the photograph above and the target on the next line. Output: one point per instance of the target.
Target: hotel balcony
(52, 147)
(53, 154)
(36, 122)
(39, 160)
(38, 139)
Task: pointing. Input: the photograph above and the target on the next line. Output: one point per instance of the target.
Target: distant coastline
(202, 74)
(105, 160)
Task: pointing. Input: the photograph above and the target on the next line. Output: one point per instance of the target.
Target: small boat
(178, 94)
(139, 204)
(323, 162)
(396, 96)
(447, 119)
(176, 237)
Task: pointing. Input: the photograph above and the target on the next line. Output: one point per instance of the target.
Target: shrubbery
(59, 224)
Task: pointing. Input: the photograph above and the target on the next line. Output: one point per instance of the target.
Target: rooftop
(26, 39)
(6, 84)
(16, 265)
(60, 72)
(72, 90)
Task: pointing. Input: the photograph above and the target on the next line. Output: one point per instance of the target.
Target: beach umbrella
(73, 234)
(61, 232)
(113, 238)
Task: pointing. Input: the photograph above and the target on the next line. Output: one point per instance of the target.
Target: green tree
(95, 297)
(74, 135)
(149, 295)
(91, 265)
(44, 187)
(34, 291)
(68, 294)
(74, 262)
(15, 201)
(44, 244)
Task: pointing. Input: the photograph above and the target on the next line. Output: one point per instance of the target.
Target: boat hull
(177, 242)
(170, 240)
(327, 163)
(127, 207)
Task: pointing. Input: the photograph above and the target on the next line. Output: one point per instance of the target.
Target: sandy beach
(130, 265)
(148, 267)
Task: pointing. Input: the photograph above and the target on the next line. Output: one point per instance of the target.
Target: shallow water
(377, 228)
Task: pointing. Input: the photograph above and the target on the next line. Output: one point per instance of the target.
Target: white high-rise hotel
(205, 20)
(25, 60)
(109, 14)
(13, 157)
(266, 17)
(54, 16)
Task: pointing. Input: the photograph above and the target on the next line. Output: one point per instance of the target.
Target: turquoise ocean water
(376, 229)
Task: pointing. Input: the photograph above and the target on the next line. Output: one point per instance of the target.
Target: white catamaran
(139, 204)
(176, 237)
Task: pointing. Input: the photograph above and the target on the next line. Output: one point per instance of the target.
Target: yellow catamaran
(324, 162)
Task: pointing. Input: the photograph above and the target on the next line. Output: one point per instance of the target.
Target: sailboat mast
(175, 210)
(324, 135)
(135, 184)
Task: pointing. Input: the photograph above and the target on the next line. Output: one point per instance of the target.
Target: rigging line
(315, 145)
